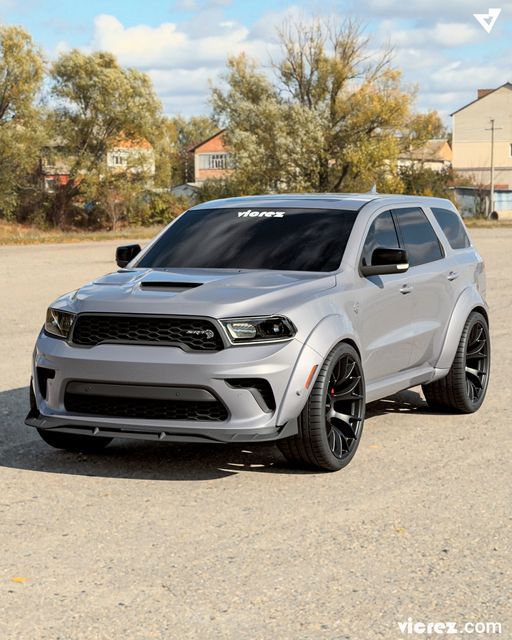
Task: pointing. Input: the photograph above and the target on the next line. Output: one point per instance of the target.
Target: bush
(156, 208)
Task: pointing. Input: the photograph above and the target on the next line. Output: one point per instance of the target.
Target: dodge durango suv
(268, 318)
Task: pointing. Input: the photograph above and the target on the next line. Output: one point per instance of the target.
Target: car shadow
(407, 401)
(21, 448)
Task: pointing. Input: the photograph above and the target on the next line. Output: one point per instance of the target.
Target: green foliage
(185, 133)
(332, 117)
(421, 181)
(223, 188)
(99, 103)
(157, 208)
(21, 73)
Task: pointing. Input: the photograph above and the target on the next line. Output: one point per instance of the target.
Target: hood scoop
(169, 285)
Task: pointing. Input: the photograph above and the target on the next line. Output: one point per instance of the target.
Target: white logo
(488, 20)
(260, 214)
(201, 332)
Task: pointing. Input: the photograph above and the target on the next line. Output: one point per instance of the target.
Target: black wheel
(72, 442)
(463, 389)
(331, 423)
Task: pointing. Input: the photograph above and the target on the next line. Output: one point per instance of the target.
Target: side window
(382, 233)
(452, 228)
(420, 240)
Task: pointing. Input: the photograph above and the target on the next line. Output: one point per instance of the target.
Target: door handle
(405, 289)
(453, 275)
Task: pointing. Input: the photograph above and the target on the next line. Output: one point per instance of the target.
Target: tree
(21, 74)
(97, 103)
(186, 132)
(332, 117)
(416, 179)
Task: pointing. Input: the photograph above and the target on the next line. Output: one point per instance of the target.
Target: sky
(183, 44)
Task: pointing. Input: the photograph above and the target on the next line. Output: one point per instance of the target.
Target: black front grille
(198, 334)
(149, 409)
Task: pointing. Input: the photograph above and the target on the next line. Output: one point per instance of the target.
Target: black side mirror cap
(386, 261)
(126, 254)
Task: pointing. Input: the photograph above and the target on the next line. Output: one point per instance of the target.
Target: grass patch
(483, 223)
(12, 233)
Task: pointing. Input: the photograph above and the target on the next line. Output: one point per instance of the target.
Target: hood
(209, 292)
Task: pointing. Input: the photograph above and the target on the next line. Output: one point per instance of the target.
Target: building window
(117, 159)
(214, 161)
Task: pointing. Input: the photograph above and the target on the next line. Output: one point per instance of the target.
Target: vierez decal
(249, 213)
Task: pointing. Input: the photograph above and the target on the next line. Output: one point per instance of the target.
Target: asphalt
(152, 540)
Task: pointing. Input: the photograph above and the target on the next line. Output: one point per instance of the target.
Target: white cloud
(169, 47)
(180, 61)
(442, 34)
(422, 10)
(183, 58)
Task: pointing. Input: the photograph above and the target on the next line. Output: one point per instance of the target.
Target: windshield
(280, 239)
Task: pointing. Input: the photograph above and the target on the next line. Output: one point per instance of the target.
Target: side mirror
(386, 261)
(126, 254)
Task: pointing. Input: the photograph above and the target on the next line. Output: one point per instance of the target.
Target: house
(211, 160)
(471, 141)
(435, 154)
(132, 156)
(54, 166)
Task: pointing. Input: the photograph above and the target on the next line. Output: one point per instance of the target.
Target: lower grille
(149, 409)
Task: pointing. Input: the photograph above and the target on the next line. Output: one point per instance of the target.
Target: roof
(342, 201)
(488, 93)
(130, 143)
(435, 149)
(200, 144)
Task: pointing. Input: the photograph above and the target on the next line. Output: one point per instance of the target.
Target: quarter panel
(468, 300)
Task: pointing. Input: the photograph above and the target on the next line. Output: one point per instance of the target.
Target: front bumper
(284, 365)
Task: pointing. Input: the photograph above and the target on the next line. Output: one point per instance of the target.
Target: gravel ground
(185, 541)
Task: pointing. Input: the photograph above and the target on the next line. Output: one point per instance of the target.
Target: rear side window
(382, 233)
(419, 238)
(452, 228)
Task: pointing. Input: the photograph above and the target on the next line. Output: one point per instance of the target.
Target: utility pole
(492, 130)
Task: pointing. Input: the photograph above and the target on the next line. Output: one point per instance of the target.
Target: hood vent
(170, 286)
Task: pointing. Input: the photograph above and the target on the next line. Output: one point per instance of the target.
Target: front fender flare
(323, 338)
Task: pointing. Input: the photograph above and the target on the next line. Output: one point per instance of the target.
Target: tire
(325, 441)
(72, 442)
(463, 389)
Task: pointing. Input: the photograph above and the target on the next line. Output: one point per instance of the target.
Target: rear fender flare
(468, 300)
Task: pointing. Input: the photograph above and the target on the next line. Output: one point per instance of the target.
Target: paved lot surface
(176, 542)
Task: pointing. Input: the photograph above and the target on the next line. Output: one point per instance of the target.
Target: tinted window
(382, 233)
(283, 239)
(452, 227)
(420, 240)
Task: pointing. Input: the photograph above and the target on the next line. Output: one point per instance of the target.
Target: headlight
(265, 329)
(59, 323)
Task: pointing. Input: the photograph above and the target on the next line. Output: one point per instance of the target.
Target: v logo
(488, 20)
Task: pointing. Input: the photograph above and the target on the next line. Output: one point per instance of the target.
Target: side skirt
(398, 382)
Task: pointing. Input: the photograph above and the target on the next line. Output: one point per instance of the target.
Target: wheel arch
(329, 332)
(470, 300)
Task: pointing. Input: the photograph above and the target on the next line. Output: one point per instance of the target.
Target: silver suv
(269, 318)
